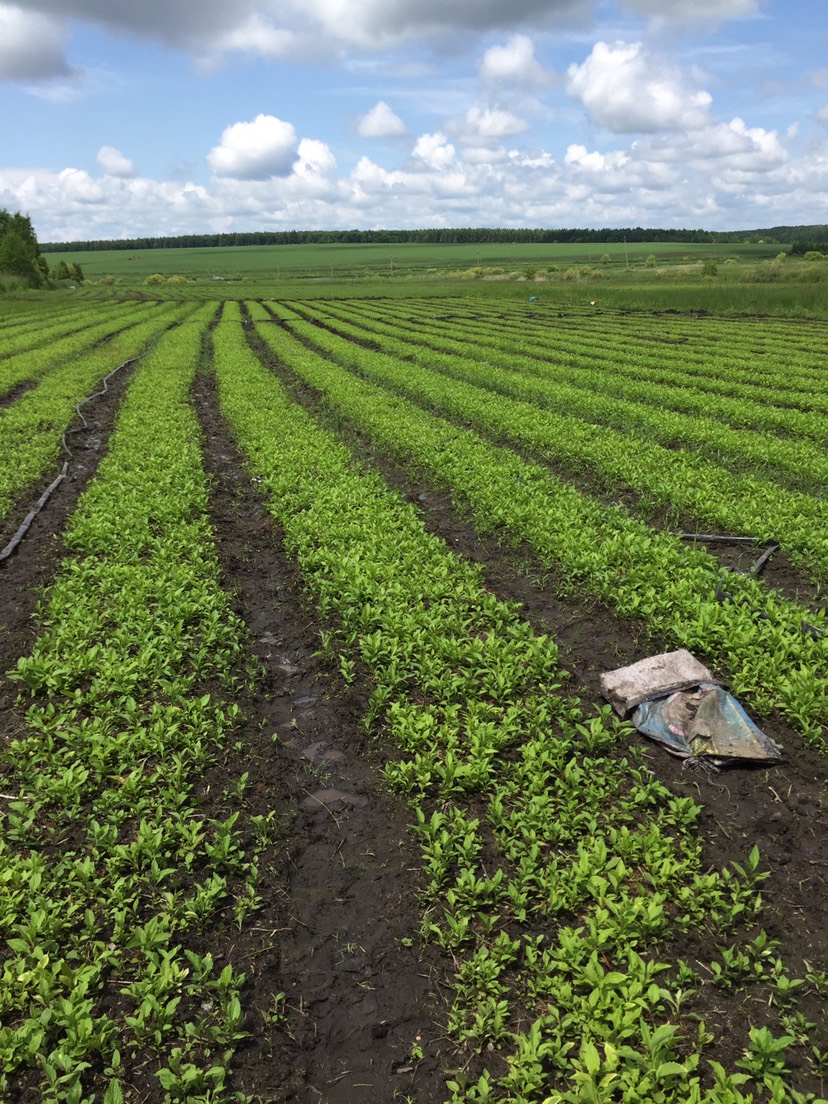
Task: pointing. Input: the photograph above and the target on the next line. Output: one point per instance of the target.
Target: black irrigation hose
(755, 569)
(13, 544)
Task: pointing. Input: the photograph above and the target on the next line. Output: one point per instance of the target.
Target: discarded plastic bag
(675, 700)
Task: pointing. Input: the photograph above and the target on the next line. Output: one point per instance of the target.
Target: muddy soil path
(783, 809)
(342, 905)
(29, 570)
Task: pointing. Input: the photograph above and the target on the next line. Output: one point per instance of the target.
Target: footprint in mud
(333, 797)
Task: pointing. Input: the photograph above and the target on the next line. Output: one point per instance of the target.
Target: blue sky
(124, 119)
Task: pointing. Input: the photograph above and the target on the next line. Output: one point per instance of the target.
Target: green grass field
(721, 278)
(361, 260)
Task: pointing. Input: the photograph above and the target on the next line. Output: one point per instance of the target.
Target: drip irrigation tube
(13, 544)
(758, 565)
(755, 569)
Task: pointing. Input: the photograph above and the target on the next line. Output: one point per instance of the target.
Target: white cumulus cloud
(490, 123)
(114, 163)
(255, 151)
(314, 158)
(627, 90)
(435, 150)
(381, 122)
(514, 63)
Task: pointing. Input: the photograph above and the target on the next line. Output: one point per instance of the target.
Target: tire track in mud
(783, 809)
(341, 905)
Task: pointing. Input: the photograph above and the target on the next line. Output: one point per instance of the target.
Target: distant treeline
(805, 236)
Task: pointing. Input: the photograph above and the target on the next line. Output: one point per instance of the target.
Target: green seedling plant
(548, 876)
(110, 864)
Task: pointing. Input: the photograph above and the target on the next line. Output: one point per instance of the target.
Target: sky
(132, 118)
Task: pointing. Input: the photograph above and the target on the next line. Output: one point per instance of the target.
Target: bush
(177, 279)
(155, 278)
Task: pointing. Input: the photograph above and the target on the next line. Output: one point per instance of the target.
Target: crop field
(308, 791)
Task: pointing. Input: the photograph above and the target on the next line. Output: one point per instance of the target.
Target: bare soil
(359, 991)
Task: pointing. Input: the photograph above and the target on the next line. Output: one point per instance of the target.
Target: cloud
(706, 12)
(314, 158)
(487, 123)
(253, 35)
(276, 28)
(209, 30)
(381, 122)
(255, 151)
(627, 90)
(113, 162)
(724, 175)
(821, 113)
(379, 23)
(32, 46)
(719, 147)
(578, 157)
(435, 150)
(514, 63)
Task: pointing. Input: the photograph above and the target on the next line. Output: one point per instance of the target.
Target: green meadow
(721, 278)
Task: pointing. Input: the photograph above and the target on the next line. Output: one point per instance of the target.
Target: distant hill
(806, 236)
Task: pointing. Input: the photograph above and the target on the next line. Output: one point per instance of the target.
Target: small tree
(19, 251)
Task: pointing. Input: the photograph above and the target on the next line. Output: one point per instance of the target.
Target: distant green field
(373, 259)
(719, 278)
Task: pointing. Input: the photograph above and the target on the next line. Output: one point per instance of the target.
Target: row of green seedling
(50, 328)
(664, 378)
(553, 862)
(686, 483)
(31, 428)
(644, 575)
(712, 357)
(111, 872)
(593, 395)
(56, 349)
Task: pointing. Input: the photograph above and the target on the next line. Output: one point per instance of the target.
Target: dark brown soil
(16, 392)
(342, 897)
